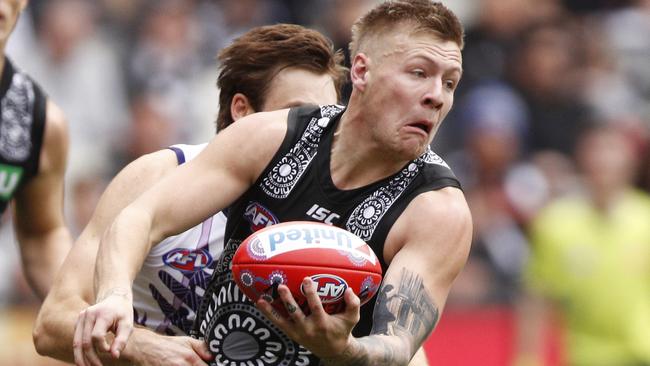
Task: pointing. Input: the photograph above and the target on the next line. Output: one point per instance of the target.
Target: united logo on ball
(286, 253)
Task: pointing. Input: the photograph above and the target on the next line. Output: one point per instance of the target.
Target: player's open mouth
(422, 125)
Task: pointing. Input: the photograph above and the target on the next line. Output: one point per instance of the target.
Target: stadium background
(134, 76)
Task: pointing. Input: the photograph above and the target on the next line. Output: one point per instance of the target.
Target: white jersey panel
(170, 285)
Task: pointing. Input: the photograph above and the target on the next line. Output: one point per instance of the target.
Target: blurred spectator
(166, 59)
(489, 45)
(166, 49)
(544, 69)
(241, 15)
(601, 78)
(490, 42)
(337, 23)
(591, 261)
(79, 68)
(76, 63)
(627, 34)
(152, 128)
(495, 120)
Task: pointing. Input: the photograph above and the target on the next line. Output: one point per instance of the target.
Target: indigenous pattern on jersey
(22, 110)
(172, 281)
(297, 185)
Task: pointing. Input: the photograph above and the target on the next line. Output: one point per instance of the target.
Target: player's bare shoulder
(440, 217)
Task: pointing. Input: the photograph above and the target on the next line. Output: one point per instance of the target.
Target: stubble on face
(394, 100)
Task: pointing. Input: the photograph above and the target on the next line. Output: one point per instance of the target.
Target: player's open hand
(323, 334)
(113, 314)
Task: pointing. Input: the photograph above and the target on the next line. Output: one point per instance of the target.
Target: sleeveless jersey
(168, 289)
(297, 185)
(22, 121)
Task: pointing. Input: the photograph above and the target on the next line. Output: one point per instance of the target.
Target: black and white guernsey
(22, 121)
(297, 185)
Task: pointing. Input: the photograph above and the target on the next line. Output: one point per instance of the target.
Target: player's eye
(450, 84)
(419, 73)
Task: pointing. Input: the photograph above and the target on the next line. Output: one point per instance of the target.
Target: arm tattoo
(404, 316)
(408, 308)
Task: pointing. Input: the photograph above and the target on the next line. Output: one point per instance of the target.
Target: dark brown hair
(423, 15)
(249, 64)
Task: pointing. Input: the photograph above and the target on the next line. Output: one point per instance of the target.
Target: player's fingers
(87, 343)
(295, 313)
(77, 346)
(122, 334)
(270, 312)
(201, 348)
(352, 306)
(313, 300)
(99, 333)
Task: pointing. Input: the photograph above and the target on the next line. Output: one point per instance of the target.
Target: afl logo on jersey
(188, 260)
(259, 216)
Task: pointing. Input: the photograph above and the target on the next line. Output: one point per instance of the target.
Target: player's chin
(413, 148)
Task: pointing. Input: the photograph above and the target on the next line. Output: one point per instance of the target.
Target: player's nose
(432, 97)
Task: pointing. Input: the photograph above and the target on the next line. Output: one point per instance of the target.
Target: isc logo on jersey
(188, 260)
(330, 288)
(259, 216)
(323, 215)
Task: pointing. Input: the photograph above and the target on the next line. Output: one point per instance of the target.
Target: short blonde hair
(423, 15)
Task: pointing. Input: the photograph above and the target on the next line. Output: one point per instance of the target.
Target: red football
(285, 253)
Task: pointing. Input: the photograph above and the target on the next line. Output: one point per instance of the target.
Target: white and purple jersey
(170, 285)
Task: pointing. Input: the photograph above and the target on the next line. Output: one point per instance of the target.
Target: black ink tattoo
(382, 315)
(291, 308)
(408, 308)
(275, 313)
(404, 312)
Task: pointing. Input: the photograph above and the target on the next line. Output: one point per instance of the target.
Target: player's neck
(355, 160)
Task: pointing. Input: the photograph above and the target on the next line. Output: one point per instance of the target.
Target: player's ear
(359, 71)
(240, 106)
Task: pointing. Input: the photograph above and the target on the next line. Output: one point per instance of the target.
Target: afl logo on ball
(188, 260)
(330, 288)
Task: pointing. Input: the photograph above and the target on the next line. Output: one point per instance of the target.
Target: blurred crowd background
(554, 103)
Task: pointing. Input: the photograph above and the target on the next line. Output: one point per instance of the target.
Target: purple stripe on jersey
(205, 233)
(180, 155)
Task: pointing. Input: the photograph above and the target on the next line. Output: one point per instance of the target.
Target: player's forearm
(122, 251)
(60, 347)
(54, 328)
(404, 316)
(373, 350)
(42, 256)
(54, 332)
